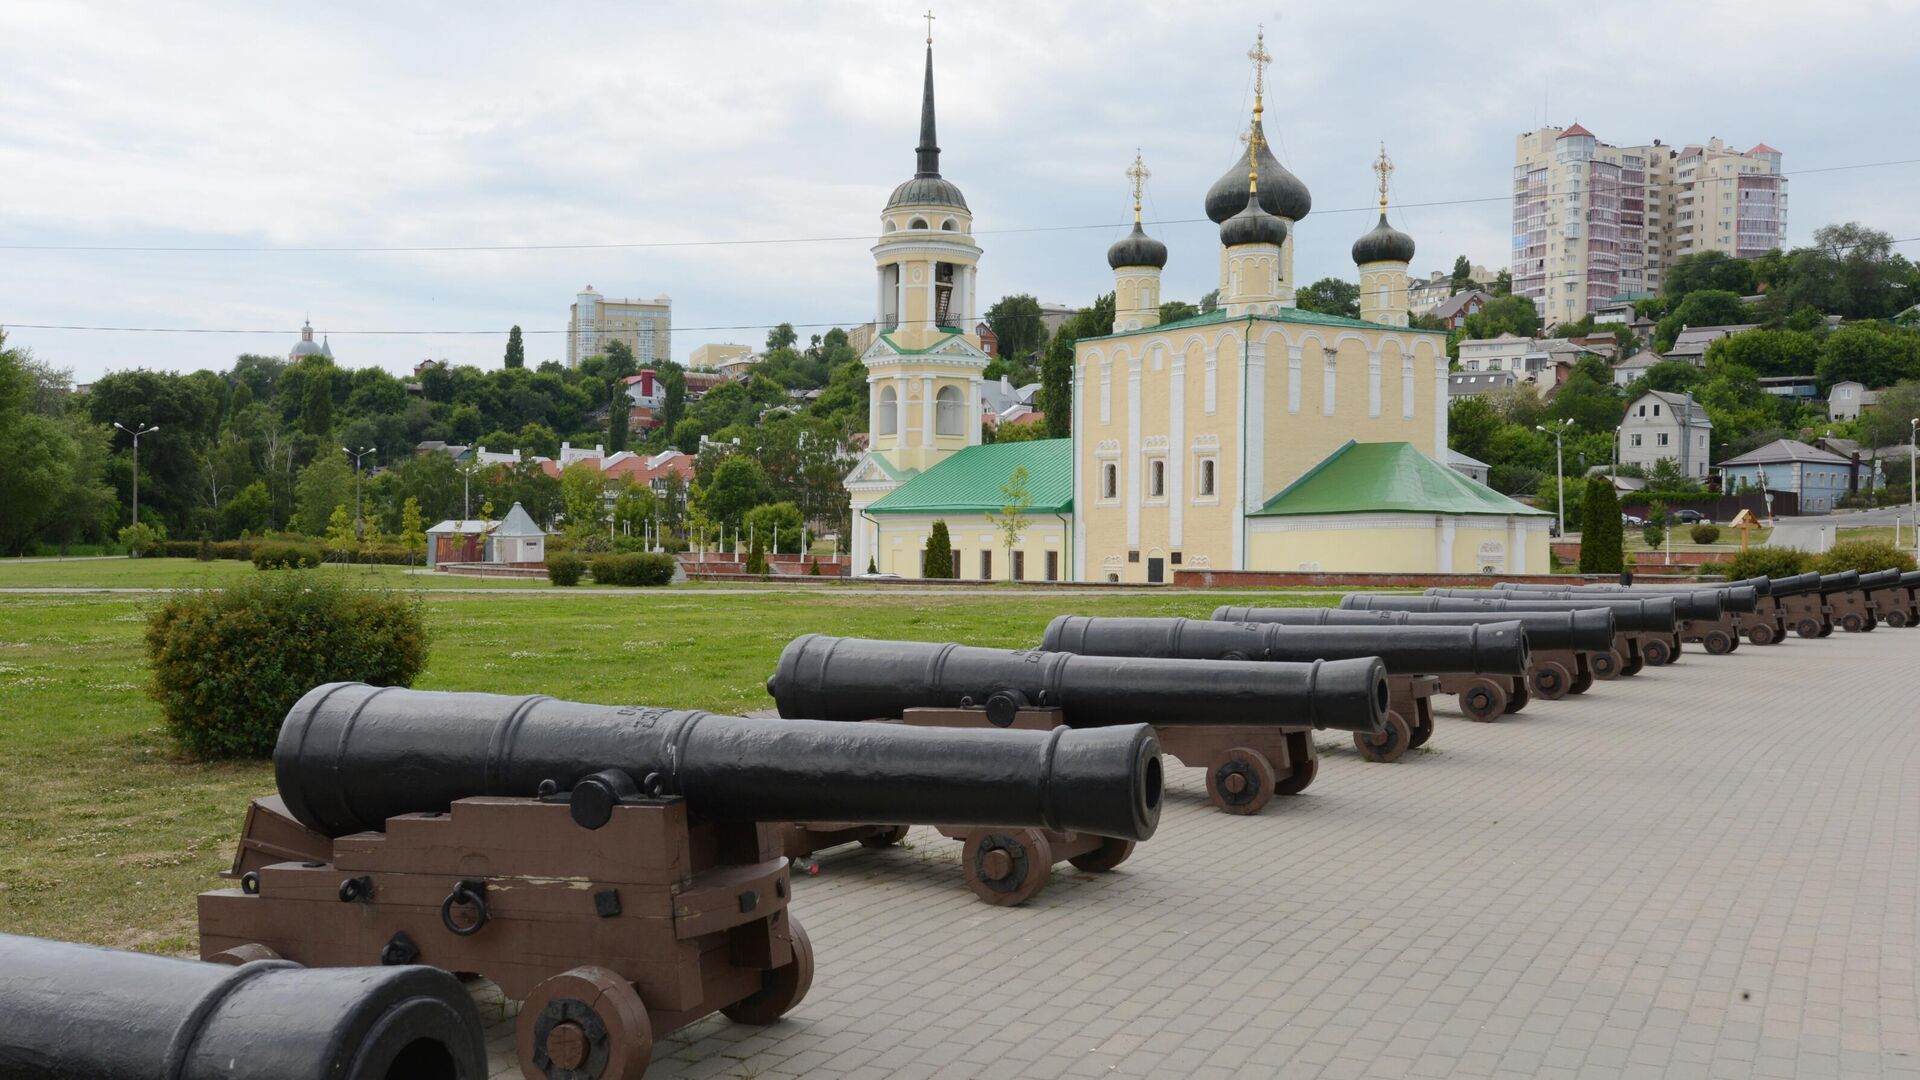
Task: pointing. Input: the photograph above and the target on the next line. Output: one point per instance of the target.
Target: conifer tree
(939, 559)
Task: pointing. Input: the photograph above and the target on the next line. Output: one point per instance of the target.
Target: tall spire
(927, 154)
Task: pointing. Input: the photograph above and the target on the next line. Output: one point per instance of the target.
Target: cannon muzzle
(1630, 614)
(1879, 579)
(75, 1012)
(350, 756)
(1485, 649)
(1797, 585)
(1586, 630)
(861, 679)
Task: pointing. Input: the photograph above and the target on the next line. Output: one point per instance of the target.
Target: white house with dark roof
(1626, 371)
(1662, 425)
(1691, 343)
(1848, 398)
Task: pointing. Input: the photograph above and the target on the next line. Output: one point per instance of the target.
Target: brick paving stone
(1710, 869)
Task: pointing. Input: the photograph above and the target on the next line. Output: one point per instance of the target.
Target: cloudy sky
(357, 125)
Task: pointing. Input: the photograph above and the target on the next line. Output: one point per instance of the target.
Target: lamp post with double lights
(136, 461)
(1559, 465)
(358, 528)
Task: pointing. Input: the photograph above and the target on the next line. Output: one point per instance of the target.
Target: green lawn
(107, 834)
(124, 573)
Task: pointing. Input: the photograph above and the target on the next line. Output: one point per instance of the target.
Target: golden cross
(1383, 167)
(1137, 172)
(929, 18)
(1261, 58)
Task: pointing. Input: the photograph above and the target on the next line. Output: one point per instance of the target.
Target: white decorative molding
(1207, 441)
(1343, 522)
(1134, 486)
(1373, 382)
(1106, 391)
(1199, 562)
(1406, 386)
(1329, 381)
(1155, 442)
(1253, 457)
(1293, 379)
(1210, 384)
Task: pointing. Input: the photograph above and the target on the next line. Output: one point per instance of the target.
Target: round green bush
(1865, 556)
(287, 556)
(565, 568)
(1654, 535)
(1768, 562)
(633, 568)
(228, 663)
(1704, 533)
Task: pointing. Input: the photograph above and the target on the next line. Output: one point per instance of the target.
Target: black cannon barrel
(1654, 615)
(350, 756)
(1911, 579)
(1692, 605)
(1880, 579)
(1797, 585)
(1760, 585)
(1844, 581)
(863, 679)
(1483, 649)
(1586, 630)
(75, 1012)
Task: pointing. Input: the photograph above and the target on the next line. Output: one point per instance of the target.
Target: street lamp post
(358, 528)
(1559, 466)
(1913, 466)
(136, 462)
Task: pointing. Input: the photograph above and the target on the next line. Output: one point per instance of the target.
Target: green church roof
(1362, 478)
(969, 482)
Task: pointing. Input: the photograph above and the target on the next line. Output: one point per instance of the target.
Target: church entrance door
(1156, 570)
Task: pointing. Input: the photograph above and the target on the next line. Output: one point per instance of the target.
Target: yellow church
(1256, 436)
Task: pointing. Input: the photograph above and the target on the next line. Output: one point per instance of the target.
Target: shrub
(1704, 533)
(229, 663)
(205, 552)
(1716, 570)
(1768, 562)
(565, 568)
(1865, 556)
(813, 568)
(287, 556)
(1654, 535)
(633, 568)
(871, 567)
(939, 553)
(1600, 546)
(139, 539)
(756, 557)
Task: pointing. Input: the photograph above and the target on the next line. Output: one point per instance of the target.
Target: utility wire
(865, 237)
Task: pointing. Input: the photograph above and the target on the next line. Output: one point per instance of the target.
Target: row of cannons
(624, 872)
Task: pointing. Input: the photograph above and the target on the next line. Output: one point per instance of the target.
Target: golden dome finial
(1137, 172)
(1383, 167)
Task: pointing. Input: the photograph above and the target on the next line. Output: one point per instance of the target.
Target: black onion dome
(1137, 249)
(1253, 225)
(1384, 244)
(1281, 192)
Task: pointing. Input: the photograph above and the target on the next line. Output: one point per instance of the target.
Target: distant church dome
(1253, 225)
(1137, 249)
(306, 346)
(928, 187)
(1281, 192)
(1384, 244)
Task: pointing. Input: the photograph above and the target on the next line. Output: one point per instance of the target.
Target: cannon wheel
(1657, 652)
(1855, 623)
(1306, 766)
(1421, 733)
(1717, 642)
(1606, 665)
(1897, 618)
(1550, 680)
(781, 988)
(1483, 700)
(1109, 854)
(1394, 740)
(1762, 634)
(1808, 627)
(244, 954)
(1518, 697)
(1240, 781)
(584, 1022)
(886, 837)
(1006, 867)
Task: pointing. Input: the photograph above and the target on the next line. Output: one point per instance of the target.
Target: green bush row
(280, 555)
(565, 568)
(639, 568)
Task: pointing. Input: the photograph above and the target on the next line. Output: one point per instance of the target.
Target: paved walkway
(1708, 870)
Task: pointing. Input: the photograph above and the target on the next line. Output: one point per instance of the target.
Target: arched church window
(887, 423)
(917, 223)
(948, 409)
(889, 226)
(948, 225)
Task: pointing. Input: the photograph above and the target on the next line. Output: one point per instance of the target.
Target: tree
(939, 556)
(1471, 426)
(1601, 549)
(1503, 315)
(1706, 307)
(249, 511)
(320, 487)
(1887, 422)
(756, 557)
(1592, 404)
(1708, 270)
(413, 530)
(1011, 521)
(781, 337)
(1330, 296)
(1669, 376)
(674, 381)
(739, 484)
(516, 349)
(619, 409)
(1026, 432)
(1018, 329)
(776, 523)
(316, 406)
(1502, 284)
(341, 541)
(1209, 301)
(1176, 311)
(583, 494)
(1766, 352)
(1872, 354)
(1462, 274)
(1056, 371)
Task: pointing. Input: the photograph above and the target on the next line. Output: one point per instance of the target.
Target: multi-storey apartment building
(645, 325)
(1592, 221)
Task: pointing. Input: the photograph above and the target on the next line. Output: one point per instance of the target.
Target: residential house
(1798, 387)
(1474, 383)
(1663, 425)
(1453, 310)
(1691, 345)
(1633, 367)
(1848, 398)
(1003, 402)
(1818, 477)
(1508, 352)
(1424, 294)
(1471, 468)
(1869, 468)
